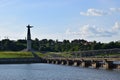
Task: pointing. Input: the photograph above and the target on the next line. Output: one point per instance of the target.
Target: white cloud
(116, 27)
(85, 30)
(93, 31)
(115, 9)
(94, 12)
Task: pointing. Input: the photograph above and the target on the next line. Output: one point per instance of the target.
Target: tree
(56, 46)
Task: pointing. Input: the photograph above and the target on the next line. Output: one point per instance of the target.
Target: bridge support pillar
(95, 64)
(108, 64)
(63, 62)
(58, 62)
(85, 63)
(53, 61)
(76, 63)
(49, 61)
(118, 66)
(69, 62)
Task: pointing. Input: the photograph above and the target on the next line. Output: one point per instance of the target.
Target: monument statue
(29, 38)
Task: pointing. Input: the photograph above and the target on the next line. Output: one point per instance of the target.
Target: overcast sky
(61, 19)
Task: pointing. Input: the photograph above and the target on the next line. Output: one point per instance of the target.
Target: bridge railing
(90, 53)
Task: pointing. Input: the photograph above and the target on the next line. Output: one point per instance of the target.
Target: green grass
(11, 54)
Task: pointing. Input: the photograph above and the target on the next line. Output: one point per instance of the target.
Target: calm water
(54, 72)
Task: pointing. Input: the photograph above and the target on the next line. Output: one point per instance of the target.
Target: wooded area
(56, 46)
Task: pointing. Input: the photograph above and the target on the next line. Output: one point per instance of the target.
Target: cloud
(94, 12)
(93, 31)
(116, 27)
(115, 9)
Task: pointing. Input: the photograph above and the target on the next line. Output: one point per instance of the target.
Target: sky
(91, 20)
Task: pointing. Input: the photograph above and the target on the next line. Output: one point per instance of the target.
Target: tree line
(56, 46)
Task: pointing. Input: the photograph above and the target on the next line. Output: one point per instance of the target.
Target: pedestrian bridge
(106, 63)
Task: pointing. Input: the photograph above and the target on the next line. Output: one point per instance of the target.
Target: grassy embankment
(11, 54)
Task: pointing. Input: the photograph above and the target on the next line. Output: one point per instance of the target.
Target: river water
(54, 72)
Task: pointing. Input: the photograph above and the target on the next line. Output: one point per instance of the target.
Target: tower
(29, 38)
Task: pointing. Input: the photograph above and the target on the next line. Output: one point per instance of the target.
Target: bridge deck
(96, 59)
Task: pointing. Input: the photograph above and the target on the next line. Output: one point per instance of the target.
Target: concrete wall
(20, 60)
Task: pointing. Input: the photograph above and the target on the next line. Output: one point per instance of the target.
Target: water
(54, 72)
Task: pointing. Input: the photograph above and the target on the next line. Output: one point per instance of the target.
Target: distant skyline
(97, 20)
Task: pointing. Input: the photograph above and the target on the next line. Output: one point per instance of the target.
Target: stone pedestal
(28, 45)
